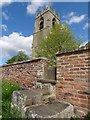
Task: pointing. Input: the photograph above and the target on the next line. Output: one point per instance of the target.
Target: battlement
(44, 10)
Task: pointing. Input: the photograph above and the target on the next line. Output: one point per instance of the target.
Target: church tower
(43, 23)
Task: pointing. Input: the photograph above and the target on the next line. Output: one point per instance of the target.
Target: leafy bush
(7, 90)
(19, 57)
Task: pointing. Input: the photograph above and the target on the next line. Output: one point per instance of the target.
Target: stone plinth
(55, 109)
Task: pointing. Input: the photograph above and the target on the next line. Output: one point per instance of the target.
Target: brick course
(73, 76)
(24, 73)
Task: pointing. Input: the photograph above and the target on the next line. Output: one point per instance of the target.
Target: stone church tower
(43, 23)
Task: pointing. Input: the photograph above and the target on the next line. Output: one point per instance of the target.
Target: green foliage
(7, 90)
(59, 39)
(19, 57)
(87, 117)
(74, 118)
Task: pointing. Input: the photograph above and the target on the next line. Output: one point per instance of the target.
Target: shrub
(7, 90)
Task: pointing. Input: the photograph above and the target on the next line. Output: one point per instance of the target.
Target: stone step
(23, 98)
(56, 109)
(48, 87)
(53, 82)
(35, 103)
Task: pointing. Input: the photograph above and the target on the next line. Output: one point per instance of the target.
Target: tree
(59, 39)
(19, 57)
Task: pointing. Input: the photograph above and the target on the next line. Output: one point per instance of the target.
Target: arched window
(41, 23)
(53, 21)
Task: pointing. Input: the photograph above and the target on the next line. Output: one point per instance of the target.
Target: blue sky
(18, 24)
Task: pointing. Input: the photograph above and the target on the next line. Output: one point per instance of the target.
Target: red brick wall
(24, 73)
(73, 76)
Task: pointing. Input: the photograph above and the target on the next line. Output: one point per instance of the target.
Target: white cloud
(83, 44)
(75, 19)
(68, 15)
(71, 18)
(5, 16)
(13, 43)
(87, 25)
(3, 27)
(71, 14)
(5, 2)
(34, 6)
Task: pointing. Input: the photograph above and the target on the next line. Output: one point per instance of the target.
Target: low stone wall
(26, 72)
(74, 79)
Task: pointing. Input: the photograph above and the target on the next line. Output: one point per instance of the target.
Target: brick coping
(73, 52)
(26, 61)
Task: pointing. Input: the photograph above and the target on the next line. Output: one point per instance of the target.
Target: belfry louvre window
(41, 23)
(53, 21)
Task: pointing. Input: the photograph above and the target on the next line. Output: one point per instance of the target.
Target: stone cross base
(40, 102)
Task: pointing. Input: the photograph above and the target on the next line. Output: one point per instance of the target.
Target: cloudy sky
(18, 23)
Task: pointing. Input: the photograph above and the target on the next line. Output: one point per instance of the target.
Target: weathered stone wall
(25, 73)
(74, 79)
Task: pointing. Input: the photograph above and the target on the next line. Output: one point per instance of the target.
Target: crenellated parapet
(48, 8)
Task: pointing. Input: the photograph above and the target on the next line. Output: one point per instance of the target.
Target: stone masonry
(45, 20)
(74, 79)
(25, 73)
(41, 102)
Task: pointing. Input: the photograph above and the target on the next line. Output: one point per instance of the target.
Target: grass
(7, 90)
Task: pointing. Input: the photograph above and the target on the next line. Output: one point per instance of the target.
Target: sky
(18, 20)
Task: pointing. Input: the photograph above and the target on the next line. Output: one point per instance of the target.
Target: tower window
(41, 23)
(53, 22)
